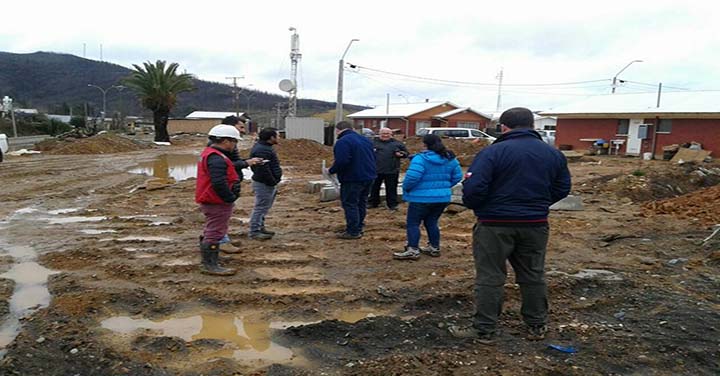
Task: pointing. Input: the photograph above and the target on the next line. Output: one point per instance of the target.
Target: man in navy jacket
(510, 186)
(355, 167)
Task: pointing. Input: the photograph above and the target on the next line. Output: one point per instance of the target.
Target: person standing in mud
(266, 177)
(510, 186)
(428, 188)
(225, 243)
(216, 190)
(355, 168)
(388, 152)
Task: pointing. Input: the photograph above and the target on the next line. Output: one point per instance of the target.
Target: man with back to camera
(388, 152)
(355, 168)
(510, 186)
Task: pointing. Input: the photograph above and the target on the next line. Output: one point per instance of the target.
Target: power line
(654, 85)
(355, 66)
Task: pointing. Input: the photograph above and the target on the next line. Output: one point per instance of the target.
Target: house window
(361, 123)
(623, 127)
(468, 124)
(665, 126)
(420, 124)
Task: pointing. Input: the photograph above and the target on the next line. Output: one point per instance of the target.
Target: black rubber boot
(210, 255)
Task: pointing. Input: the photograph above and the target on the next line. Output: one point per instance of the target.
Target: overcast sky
(534, 42)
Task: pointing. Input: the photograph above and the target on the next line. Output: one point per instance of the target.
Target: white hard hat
(223, 130)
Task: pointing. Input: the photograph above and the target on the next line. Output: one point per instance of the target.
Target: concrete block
(571, 203)
(399, 193)
(329, 194)
(315, 186)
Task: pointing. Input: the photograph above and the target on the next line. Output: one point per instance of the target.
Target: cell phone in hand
(264, 161)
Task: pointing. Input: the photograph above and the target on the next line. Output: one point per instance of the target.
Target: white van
(465, 133)
(3, 146)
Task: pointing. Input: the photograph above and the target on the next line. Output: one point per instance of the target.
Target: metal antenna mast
(295, 56)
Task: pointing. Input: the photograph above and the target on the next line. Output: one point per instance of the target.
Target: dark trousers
(525, 248)
(391, 183)
(429, 214)
(353, 196)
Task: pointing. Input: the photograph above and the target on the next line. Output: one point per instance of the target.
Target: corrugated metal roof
(210, 115)
(447, 114)
(645, 103)
(399, 110)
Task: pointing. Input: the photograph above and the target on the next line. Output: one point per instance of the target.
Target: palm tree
(157, 87)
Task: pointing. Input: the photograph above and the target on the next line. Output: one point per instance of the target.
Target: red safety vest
(204, 192)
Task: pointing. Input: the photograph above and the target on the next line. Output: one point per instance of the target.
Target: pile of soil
(661, 182)
(465, 150)
(704, 205)
(304, 155)
(100, 144)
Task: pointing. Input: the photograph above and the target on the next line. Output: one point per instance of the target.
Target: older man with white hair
(388, 152)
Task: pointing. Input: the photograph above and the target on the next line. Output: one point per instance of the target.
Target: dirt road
(101, 279)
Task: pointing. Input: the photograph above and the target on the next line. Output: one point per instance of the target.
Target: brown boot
(229, 248)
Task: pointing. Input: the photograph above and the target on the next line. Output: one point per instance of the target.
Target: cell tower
(295, 56)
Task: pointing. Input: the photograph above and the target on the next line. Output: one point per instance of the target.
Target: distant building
(199, 121)
(408, 118)
(637, 125)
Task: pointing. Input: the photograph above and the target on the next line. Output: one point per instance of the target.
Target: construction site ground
(124, 295)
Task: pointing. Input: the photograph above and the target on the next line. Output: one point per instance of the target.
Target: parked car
(463, 133)
(3, 146)
(548, 136)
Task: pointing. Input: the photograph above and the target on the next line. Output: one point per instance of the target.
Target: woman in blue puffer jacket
(428, 187)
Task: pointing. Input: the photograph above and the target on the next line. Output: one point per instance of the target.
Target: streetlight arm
(629, 64)
(348, 47)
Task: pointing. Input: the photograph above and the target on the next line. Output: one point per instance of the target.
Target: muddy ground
(128, 299)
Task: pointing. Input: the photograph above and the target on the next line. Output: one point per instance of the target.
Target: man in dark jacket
(266, 177)
(510, 186)
(355, 167)
(388, 152)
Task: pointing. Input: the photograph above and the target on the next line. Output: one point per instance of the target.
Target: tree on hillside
(157, 87)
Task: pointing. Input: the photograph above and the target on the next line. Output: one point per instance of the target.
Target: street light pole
(614, 82)
(341, 66)
(104, 94)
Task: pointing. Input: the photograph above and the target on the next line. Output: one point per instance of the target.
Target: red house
(637, 123)
(407, 118)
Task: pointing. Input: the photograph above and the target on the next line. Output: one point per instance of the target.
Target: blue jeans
(264, 198)
(424, 213)
(354, 196)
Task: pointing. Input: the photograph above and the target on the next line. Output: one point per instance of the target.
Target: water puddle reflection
(90, 231)
(138, 239)
(248, 336)
(177, 166)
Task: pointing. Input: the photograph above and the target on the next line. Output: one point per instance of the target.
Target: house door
(633, 138)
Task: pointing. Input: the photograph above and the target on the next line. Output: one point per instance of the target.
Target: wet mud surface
(126, 296)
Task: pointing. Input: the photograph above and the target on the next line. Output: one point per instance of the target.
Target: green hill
(55, 83)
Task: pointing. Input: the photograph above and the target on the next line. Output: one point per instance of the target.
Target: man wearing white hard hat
(217, 189)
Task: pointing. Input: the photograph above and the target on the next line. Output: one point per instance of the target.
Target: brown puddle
(177, 166)
(247, 338)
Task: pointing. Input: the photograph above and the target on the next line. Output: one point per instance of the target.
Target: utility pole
(499, 95)
(278, 115)
(84, 49)
(236, 92)
(101, 57)
(341, 72)
(659, 92)
(295, 56)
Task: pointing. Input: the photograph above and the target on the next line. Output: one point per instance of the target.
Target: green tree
(157, 86)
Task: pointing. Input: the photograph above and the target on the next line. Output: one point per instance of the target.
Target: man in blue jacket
(355, 167)
(510, 186)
